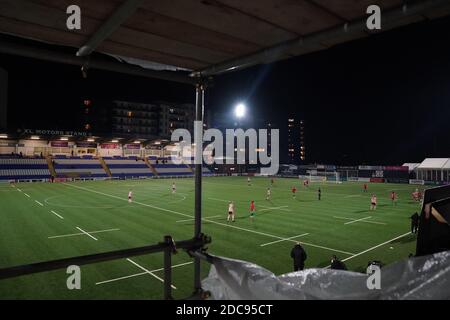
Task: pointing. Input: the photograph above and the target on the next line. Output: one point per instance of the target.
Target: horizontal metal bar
(122, 13)
(202, 256)
(12, 272)
(35, 52)
(273, 53)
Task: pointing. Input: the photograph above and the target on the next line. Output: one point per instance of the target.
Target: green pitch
(40, 222)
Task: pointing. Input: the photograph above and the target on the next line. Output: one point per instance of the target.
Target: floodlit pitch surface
(45, 221)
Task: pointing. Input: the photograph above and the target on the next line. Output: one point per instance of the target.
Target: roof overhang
(208, 37)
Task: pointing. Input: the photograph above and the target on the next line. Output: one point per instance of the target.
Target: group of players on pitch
(416, 195)
(231, 206)
(130, 193)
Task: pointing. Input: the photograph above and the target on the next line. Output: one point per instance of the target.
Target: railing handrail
(21, 270)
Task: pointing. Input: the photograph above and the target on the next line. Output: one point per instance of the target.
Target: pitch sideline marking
(26, 194)
(39, 203)
(373, 248)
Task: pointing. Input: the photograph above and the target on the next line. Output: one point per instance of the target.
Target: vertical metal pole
(168, 269)
(199, 111)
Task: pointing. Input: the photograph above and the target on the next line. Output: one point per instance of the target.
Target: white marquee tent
(434, 169)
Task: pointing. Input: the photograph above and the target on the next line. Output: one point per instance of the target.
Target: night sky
(382, 100)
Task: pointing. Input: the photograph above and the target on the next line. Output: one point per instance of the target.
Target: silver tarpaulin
(415, 278)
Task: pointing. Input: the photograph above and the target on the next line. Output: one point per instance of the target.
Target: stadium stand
(166, 167)
(76, 167)
(122, 167)
(23, 169)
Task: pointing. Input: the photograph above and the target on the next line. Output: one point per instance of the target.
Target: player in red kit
(394, 198)
(252, 209)
(365, 187)
(294, 191)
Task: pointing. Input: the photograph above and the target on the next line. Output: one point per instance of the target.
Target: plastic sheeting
(416, 278)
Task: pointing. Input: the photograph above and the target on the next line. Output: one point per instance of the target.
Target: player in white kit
(269, 194)
(230, 211)
(373, 202)
(130, 196)
(174, 188)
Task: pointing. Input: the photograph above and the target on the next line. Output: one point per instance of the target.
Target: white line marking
(81, 234)
(141, 274)
(277, 241)
(149, 272)
(27, 195)
(102, 231)
(207, 220)
(372, 222)
(357, 220)
(57, 215)
(187, 220)
(325, 248)
(19, 190)
(282, 208)
(86, 233)
(375, 222)
(134, 202)
(221, 200)
(39, 203)
(377, 246)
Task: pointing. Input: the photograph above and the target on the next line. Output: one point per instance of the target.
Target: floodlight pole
(199, 113)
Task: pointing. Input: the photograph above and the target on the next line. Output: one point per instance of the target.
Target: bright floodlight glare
(239, 111)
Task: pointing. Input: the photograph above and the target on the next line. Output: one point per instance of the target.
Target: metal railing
(194, 247)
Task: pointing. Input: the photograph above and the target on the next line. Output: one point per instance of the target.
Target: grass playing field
(46, 221)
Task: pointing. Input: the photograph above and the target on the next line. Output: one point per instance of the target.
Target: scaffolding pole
(199, 113)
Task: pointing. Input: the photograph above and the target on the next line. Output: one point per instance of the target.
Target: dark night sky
(382, 100)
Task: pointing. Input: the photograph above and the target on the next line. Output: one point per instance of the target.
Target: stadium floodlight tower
(240, 110)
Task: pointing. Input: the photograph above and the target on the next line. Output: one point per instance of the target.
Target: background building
(175, 116)
(150, 120)
(296, 143)
(135, 119)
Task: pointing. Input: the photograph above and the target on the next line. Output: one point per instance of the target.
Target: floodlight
(239, 111)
